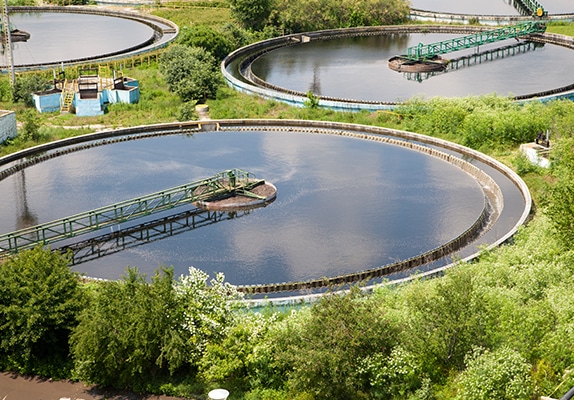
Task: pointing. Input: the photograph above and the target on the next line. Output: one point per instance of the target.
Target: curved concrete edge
(161, 27)
(195, 127)
(444, 17)
(492, 208)
(250, 52)
(509, 173)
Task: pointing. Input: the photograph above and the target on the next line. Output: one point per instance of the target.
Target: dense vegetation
(310, 15)
(499, 328)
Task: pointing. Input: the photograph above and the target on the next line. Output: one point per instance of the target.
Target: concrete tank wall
(47, 102)
(7, 125)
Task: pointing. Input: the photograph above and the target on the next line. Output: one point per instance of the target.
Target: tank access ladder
(423, 52)
(227, 182)
(69, 89)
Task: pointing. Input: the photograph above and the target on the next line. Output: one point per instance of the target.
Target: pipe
(568, 395)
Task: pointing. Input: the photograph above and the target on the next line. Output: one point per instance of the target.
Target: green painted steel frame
(224, 183)
(534, 7)
(429, 51)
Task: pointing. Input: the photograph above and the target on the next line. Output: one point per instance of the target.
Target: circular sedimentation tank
(354, 203)
(287, 68)
(76, 35)
(485, 11)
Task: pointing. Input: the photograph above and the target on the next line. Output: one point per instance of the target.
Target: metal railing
(428, 51)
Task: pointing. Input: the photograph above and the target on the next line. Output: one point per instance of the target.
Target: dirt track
(17, 387)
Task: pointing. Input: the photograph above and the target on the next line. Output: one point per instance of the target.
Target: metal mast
(7, 40)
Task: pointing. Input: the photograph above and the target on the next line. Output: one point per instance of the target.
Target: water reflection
(147, 232)
(93, 35)
(361, 63)
(343, 204)
(24, 216)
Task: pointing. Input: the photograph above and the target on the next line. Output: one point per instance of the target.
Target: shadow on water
(479, 57)
(147, 232)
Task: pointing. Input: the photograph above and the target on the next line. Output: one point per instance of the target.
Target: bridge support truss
(423, 52)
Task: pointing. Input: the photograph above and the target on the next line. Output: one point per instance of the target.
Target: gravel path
(17, 387)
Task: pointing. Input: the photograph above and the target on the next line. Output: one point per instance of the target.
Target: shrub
(40, 300)
(502, 374)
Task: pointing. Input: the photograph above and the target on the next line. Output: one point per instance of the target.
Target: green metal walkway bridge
(223, 184)
(423, 52)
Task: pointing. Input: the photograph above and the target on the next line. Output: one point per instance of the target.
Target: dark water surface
(65, 36)
(356, 68)
(488, 7)
(343, 204)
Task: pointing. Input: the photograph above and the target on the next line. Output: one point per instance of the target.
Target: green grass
(211, 16)
(562, 28)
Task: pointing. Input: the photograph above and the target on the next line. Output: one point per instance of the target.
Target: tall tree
(321, 350)
(251, 14)
(191, 72)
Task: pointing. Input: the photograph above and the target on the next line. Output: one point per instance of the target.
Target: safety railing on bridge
(429, 51)
(223, 183)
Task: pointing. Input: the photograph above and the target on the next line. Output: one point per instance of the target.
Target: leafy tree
(5, 89)
(560, 202)
(191, 72)
(231, 361)
(31, 126)
(27, 84)
(483, 122)
(236, 36)
(207, 38)
(208, 307)
(251, 14)
(396, 375)
(39, 304)
(446, 318)
(310, 15)
(125, 337)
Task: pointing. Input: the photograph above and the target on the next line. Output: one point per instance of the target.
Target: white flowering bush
(207, 307)
(135, 331)
(395, 375)
(502, 374)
